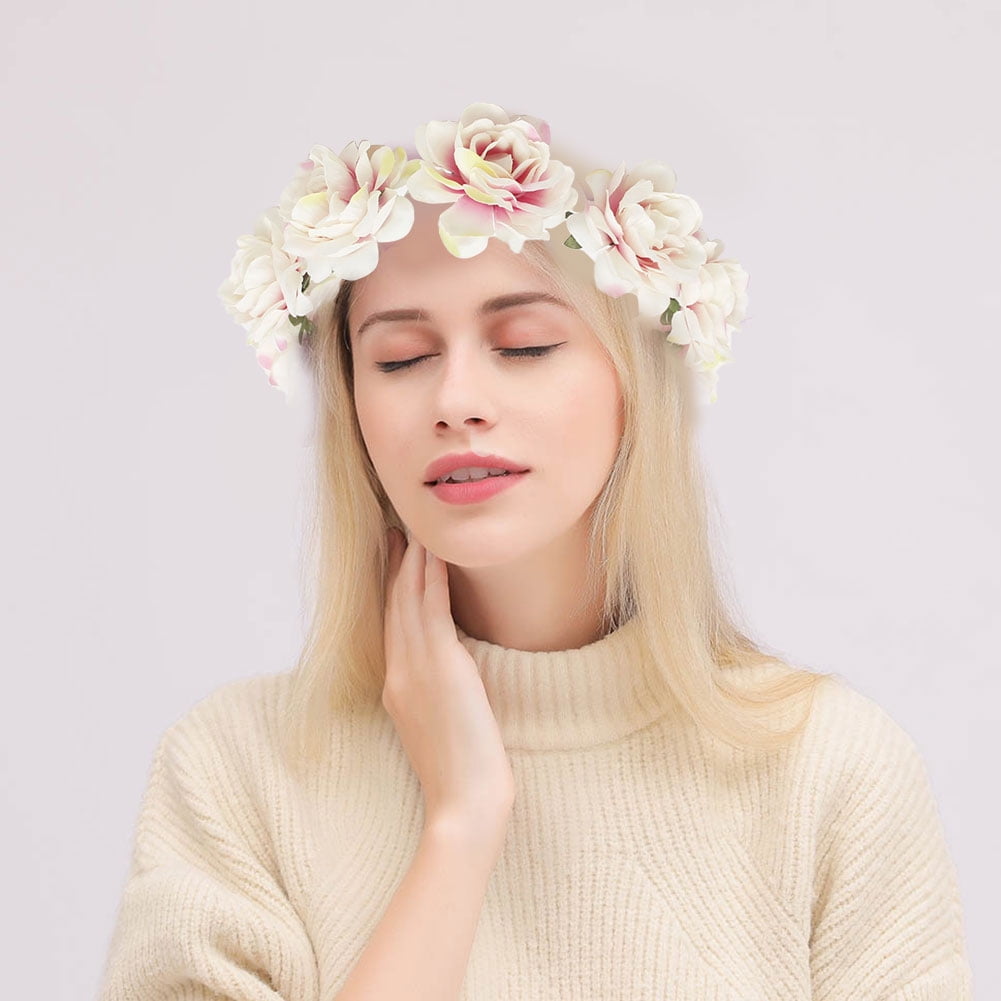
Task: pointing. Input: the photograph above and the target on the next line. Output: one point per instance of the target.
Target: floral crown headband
(496, 171)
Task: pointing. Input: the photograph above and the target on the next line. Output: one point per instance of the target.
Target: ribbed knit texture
(643, 858)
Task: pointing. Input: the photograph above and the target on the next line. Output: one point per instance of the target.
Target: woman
(526, 751)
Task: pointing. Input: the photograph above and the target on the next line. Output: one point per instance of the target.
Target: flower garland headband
(495, 170)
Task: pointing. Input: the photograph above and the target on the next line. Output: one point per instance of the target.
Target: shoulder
(841, 709)
(851, 749)
(238, 721)
(856, 742)
(859, 766)
(846, 728)
(885, 906)
(217, 773)
(242, 701)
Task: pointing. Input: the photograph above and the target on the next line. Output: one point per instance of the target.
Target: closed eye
(535, 351)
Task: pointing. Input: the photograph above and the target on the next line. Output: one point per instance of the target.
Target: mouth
(475, 490)
(475, 479)
(459, 467)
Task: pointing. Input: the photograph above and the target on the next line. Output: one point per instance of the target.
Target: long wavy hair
(651, 541)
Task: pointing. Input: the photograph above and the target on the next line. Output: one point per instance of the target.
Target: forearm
(420, 948)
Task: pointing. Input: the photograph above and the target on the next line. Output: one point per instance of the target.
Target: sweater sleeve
(887, 923)
(203, 917)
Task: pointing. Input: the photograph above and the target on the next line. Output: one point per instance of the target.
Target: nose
(463, 391)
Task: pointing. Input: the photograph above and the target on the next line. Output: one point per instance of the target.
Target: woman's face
(557, 414)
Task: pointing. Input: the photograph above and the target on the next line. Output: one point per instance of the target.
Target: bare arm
(435, 697)
(420, 949)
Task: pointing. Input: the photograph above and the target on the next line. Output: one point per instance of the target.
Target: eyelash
(535, 351)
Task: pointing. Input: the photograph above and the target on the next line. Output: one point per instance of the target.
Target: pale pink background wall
(847, 154)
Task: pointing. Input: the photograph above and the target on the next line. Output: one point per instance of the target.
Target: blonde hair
(651, 551)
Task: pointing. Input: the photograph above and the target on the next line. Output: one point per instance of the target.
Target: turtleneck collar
(563, 699)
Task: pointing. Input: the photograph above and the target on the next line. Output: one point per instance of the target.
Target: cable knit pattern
(644, 859)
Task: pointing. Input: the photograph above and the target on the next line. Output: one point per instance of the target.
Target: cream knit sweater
(643, 859)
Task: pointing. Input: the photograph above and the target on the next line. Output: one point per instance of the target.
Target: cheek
(593, 410)
(380, 422)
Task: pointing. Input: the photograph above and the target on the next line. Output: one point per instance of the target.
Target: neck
(538, 602)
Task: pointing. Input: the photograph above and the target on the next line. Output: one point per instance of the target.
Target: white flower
(640, 233)
(264, 281)
(496, 176)
(497, 172)
(711, 309)
(264, 290)
(281, 356)
(339, 208)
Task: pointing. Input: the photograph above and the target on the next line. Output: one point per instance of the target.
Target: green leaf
(571, 243)
(305, 282)
(665, 317)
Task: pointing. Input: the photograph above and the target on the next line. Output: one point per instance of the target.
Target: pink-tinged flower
(281, 356)
(264, 291)
(339, 208)
(640, 233)
(497, 172)
(265, 282)
(711, 310)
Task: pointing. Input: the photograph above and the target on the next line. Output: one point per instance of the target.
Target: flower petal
(358, 262)
(436, 142)
(611, 274)
(399, 222)
(430, 185)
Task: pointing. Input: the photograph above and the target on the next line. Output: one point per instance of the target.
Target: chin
(472, 554)
(477, 544)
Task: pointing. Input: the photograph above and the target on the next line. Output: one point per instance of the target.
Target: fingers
(417, 601)
(414, 597)
(408, 599)
(390, 617)
(396, 586)
(438, 615)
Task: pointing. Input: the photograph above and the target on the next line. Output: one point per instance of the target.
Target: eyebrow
(494, 305)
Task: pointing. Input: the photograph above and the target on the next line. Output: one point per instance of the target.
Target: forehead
(418, 271)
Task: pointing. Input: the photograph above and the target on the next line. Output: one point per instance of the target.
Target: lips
(459, 460)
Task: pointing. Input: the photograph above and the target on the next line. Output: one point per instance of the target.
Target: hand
(435, 696)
